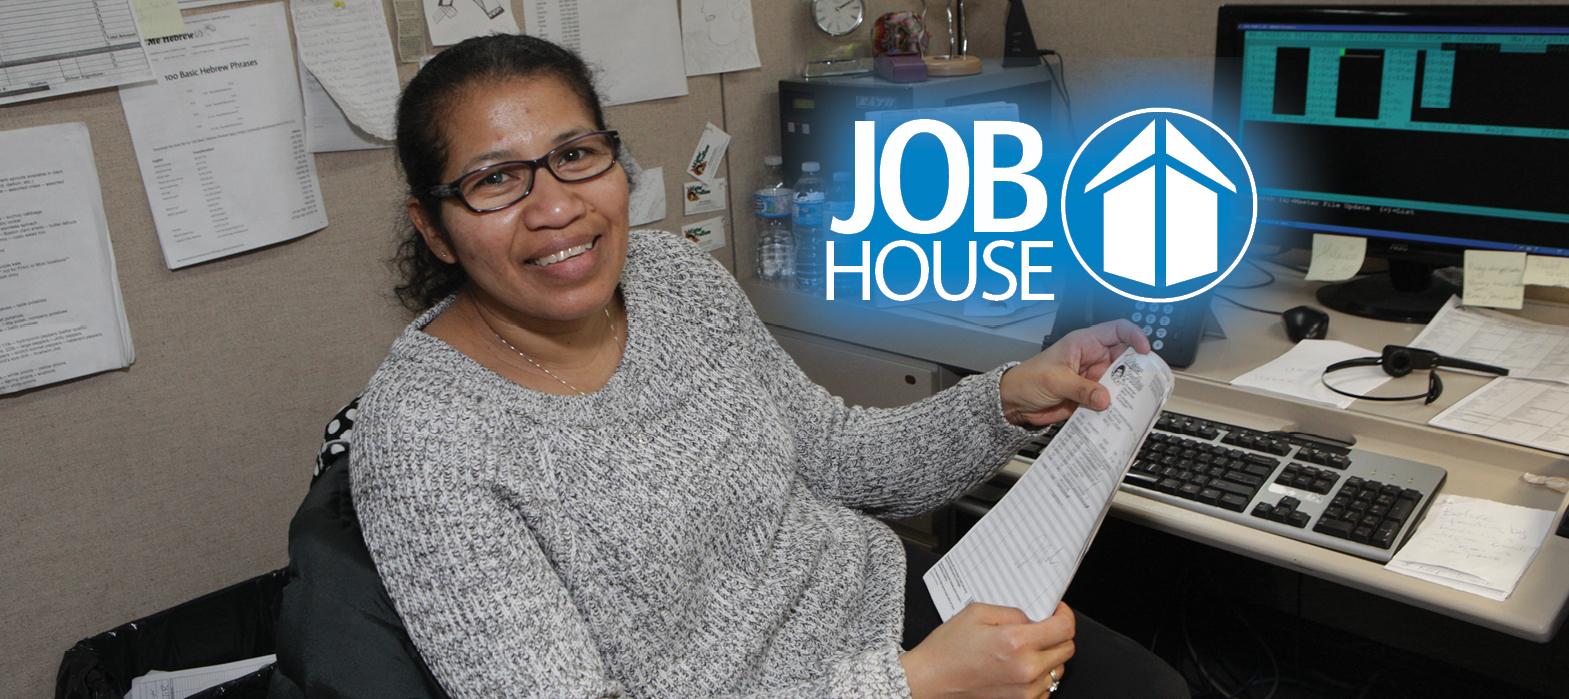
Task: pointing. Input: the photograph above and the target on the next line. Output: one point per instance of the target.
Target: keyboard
(1350, 500)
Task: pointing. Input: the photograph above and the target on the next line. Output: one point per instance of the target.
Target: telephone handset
(1174, 329)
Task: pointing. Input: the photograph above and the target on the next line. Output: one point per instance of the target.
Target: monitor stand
(1409, 293)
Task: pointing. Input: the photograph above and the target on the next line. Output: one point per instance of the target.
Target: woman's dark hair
(422, 145)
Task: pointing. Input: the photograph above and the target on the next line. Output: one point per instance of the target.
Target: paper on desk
(1546, 271)
(634, 44)
(1519, 411)
(48, 49)
(221, 141)
(1529, 350)
(1336, 257)
(183, 683)
(717, 36)
(1299, 373)
(1473, 545)
(345, 45)
(326, 127)
(61, 314)
(1024, 552)
(1494, 278)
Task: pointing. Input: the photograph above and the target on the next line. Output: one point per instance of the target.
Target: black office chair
(338, 634)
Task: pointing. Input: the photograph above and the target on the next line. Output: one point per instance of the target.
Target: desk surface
(1477, 467)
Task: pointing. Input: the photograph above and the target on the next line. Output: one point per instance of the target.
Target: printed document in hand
(1024, 552)
(221, 141)
(1473, 545)
(61, 315)
(1529, 350)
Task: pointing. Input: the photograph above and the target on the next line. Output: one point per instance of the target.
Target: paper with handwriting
(1494, 278)
(1336, 257)
(1474, 545)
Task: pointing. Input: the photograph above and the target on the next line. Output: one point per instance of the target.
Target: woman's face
(557, 254)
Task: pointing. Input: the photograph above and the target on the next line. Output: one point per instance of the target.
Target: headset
(1398, 361)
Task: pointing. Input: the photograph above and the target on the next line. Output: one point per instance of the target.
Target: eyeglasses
(496, 187)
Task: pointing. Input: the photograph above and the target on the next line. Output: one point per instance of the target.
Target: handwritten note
(1494, 278)
(1546, 271)
(1478, 546)
(1299, 373)
(345, 45)
(1336, 257)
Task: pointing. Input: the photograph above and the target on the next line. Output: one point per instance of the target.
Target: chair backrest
(338, 634)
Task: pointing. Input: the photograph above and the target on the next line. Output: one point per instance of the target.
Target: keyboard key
(1262, 510)
(1298, 519)
(1244, 478)
(1261, 460)
(1168, 485)
(1333, 527)
(1361, 534)
(1322, 486)
(1291, 502)
(1233, 502)
(1384, 536)
(1337, 461)
(1142, 480)
(1399, 511)
(1190, 490)
(1210, 496)
(1233, 488)
(1280, 513)
(1257, 470)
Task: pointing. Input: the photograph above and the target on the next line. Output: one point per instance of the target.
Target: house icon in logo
(1132, 227)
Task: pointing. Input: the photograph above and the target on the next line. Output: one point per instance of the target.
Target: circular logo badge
(1159, 205)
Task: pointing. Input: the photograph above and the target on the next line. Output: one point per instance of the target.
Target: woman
(588, 470)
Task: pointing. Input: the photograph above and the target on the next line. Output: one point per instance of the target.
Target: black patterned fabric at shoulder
(335, 439)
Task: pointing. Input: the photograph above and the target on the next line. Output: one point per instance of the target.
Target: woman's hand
(990, 651)
(1049, 386)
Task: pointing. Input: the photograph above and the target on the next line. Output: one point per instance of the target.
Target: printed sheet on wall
(61, 315)
(221, 140)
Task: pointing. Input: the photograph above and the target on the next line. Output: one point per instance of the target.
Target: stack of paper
(1473, 545)
(61, 315)
(1299, 373)
(1024, 552)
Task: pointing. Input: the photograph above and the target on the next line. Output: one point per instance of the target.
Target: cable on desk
(1260, 285)
(1059, 78)
(1235, 302)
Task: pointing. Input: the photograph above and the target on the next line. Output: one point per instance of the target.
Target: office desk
(1477, 467)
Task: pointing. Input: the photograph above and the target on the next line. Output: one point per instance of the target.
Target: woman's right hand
(990, 651)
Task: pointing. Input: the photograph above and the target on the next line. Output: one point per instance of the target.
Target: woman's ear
(430, 230)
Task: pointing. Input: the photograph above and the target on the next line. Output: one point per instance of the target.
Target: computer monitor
(1425, 129)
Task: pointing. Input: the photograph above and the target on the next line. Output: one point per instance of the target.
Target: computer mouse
(1305, 323)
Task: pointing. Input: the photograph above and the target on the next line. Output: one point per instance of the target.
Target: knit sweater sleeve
(891, 463)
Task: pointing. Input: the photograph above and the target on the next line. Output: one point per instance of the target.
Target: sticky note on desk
(1546, 271)
(1336, 257)
(1494, 278)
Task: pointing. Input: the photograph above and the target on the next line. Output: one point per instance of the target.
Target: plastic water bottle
(773, 203)
(809, 221)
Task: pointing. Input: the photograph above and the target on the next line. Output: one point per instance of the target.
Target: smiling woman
(587, 470)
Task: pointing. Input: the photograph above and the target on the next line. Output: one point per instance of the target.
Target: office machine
(817, 116)
(1425, 129)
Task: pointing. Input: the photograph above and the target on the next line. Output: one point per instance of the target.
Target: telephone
(1174, 329)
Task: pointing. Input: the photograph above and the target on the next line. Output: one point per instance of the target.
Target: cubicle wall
(130, 491)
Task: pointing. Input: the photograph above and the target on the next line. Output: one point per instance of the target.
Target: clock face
(838, 17)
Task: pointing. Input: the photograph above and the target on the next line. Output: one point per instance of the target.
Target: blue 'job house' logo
(1159, 205)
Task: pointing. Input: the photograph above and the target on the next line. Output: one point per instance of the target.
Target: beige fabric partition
(131, 491)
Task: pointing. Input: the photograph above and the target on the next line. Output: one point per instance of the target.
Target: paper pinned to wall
(701, 198)
(717, 36)
(61, 314)
(1336, 257)
(410, 20)
(709, 234)
(221, 145)
(326, 127)
(635, 45)
(710, 151)
(346, 46)
(452, 21)
(158, 18)
(48, 51)
(1494, 278)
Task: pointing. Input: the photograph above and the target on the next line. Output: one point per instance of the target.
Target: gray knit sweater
(701, 526)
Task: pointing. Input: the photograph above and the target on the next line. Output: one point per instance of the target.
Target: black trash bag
(234, 623)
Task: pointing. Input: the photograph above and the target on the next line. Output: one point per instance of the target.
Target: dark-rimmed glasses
(498, 186)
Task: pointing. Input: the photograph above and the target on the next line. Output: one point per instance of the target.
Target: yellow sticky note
(1546, 271)
(1494, 278)
(158, 18)
(1336, 257)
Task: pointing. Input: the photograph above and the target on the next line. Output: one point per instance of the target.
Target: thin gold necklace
(530, 360)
